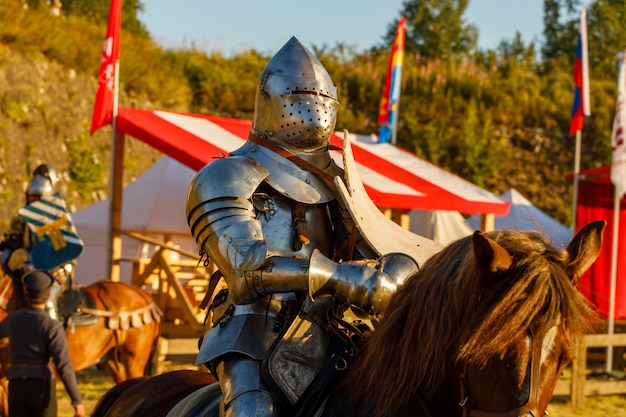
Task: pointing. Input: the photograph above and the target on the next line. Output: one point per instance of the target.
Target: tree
(607, 35)
(560, 36)
(435, 28)
(98, 11)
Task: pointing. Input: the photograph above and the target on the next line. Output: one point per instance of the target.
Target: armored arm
(366, 284)
(222, 213)
(14, 237)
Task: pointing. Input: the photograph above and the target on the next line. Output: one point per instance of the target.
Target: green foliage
(86, 167)
(498, 118)
(98, 11)
(435, 28)
(607, 35)
(215, 90)
(480, 154)
(14, 109)
(560, 34)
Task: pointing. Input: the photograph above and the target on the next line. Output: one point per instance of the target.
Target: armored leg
(245, 394)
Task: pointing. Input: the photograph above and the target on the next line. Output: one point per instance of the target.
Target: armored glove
(18, 260)
(366, 284)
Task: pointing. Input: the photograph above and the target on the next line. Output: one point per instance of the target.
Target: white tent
(153, 205)
(442, 226)
(523, 215)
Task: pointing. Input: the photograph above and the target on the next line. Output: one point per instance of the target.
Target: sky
(232, 26)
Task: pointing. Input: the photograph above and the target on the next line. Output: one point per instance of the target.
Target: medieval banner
(54, 234)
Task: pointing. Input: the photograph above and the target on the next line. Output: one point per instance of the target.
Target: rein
(527, 409)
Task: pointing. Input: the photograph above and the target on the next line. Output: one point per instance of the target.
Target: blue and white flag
(56, 241)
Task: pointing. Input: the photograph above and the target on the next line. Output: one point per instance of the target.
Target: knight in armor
(293, 262)
(18, 240)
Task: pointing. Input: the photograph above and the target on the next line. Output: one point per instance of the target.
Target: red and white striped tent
(393, 177)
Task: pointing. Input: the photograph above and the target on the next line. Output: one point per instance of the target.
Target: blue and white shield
(55, 236)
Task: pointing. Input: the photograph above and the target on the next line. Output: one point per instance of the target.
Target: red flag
(105, 94)
(581, 107)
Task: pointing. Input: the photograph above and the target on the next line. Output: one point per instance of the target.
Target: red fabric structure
(393, 177)
(595, 202)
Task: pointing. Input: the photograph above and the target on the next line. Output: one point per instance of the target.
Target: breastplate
(279, 227)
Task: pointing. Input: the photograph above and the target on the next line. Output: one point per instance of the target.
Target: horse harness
(530, 408)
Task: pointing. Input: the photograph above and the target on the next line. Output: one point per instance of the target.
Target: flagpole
(394, 130)
(614, 251)
(576, 178)
(115, 201)
(617, 197)
(582, 104)
(105, 111)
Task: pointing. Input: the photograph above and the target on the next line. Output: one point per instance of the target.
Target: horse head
(485, 328)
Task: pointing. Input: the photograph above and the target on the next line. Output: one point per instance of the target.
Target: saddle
(68, 306)
(204, 402)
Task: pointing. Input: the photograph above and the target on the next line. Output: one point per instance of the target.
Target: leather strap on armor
(252, 137)
(213, 281)
(301, 236)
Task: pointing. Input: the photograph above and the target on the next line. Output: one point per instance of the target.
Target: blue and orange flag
(581, 107)
(388, 111)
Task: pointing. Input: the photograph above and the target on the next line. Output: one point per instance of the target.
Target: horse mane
(446, 313)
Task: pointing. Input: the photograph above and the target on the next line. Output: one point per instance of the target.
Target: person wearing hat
(34, 339)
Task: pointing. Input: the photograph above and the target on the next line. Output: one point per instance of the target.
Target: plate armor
(17, 240)
(287, 250)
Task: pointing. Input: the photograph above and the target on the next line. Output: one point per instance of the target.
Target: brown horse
(125, 333)
(485, 327)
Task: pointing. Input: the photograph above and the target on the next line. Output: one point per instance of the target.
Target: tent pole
(487, 222)
(614, 251)
(576, 178)
(114, 241)
(401, 217)
(115, 207)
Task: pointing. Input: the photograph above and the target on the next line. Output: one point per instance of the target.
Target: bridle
(530, 408)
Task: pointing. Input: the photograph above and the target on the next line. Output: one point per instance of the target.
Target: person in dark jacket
(34, 339)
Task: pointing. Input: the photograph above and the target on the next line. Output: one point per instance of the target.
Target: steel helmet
(39, 185)
(296, 101)
(47, 170)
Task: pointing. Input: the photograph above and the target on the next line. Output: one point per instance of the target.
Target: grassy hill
(48, 68)
(499, 120)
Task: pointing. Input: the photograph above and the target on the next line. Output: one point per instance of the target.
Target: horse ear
(490, 257)
(584, 249)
